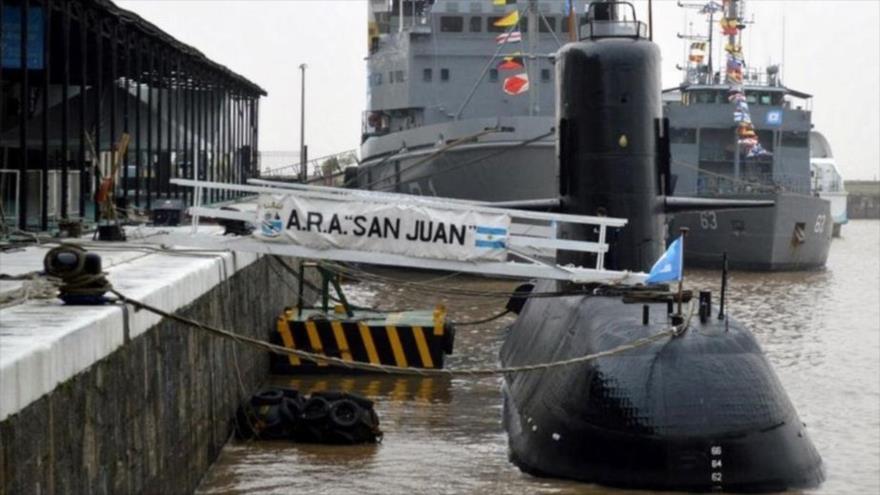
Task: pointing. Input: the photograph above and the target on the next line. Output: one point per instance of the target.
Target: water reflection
(821, 331)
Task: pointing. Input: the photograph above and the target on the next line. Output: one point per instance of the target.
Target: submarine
(701, 411)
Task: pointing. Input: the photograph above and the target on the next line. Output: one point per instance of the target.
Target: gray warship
(439, 121)
(717, 116)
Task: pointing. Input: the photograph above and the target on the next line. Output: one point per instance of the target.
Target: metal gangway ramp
(392, 229)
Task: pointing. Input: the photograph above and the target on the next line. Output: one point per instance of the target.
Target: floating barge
(414, 339)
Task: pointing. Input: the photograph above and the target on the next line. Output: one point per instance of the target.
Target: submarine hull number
(401, 229)
(708, 220)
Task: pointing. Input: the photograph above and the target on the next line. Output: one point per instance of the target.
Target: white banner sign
(403, 229)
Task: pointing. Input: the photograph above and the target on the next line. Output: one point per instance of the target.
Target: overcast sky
(832, 50)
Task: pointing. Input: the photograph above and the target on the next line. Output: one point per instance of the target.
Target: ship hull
(794, 234)
(699, 412)
(483, 172)
(838, 209)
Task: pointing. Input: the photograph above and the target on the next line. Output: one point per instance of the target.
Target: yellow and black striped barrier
(417, 339)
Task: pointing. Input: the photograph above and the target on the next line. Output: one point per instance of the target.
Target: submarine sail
(703, 411)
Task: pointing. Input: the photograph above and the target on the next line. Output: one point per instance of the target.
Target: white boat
(826, 179)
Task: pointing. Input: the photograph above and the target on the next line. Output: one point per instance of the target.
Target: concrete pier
(106, 399)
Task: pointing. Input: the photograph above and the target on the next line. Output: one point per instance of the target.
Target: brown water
(821, 330)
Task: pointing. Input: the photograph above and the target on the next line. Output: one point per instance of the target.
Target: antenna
(782, 63)
(708, 8)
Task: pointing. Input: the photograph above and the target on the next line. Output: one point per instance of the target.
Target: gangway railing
(402, 230)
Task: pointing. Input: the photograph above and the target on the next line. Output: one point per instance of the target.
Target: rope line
(397, 370)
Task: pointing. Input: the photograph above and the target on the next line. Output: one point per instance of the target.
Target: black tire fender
(345, 413)
(291, 410)
(316, 409)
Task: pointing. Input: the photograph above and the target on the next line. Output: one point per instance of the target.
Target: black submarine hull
(699, 412)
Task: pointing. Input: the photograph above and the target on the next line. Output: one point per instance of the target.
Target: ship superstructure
(736, 131)
(460, 100)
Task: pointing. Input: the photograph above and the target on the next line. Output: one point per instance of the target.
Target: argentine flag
(668, 267)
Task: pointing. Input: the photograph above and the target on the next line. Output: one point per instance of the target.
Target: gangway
(393, 229)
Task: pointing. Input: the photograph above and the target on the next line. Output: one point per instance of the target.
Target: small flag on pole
(508, 20)
(517, 84)
(513, 37)
(668, 267)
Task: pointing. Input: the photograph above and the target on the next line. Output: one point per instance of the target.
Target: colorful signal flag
(508, 20)
(517, 84)
(511, 37)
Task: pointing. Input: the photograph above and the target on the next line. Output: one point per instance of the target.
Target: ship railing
(613, 29)
(713, 184)
(612, 20)
(485, 224)
(751, 76)
(285, 164)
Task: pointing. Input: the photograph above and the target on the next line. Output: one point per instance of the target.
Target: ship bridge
(435, 62)
(704, 143)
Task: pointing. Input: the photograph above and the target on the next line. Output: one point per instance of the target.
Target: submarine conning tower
(701, 411)
(608, 112)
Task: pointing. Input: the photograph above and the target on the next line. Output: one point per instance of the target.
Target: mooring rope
(397, 370)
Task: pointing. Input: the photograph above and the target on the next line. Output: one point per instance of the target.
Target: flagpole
(684, 232)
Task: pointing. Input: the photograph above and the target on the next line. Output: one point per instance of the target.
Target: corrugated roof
(152, 30)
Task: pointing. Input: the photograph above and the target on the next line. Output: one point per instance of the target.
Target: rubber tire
(291, 410)
(333, 395)
(269, 397)
(345, 413)
(276, 427)
(316, 409)
(290, 393)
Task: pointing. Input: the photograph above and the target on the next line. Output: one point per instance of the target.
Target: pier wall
(152, 414)
(863, 200)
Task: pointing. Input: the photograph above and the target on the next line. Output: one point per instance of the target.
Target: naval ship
(738, 132)
(460, 98)
(442, 121)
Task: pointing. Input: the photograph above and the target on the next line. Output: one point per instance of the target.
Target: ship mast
(532, 25)
(734, 40)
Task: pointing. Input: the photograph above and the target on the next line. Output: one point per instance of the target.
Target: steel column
(126, 115)
(257, 171)
(187, 152)
(166, 71)
(176, 143)
(160, 171)
(65, 108)
(151, 167)
(98, 92)
(138, 163)
(83, 130)
(22, 120)
(114, 72)
(44, 176)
